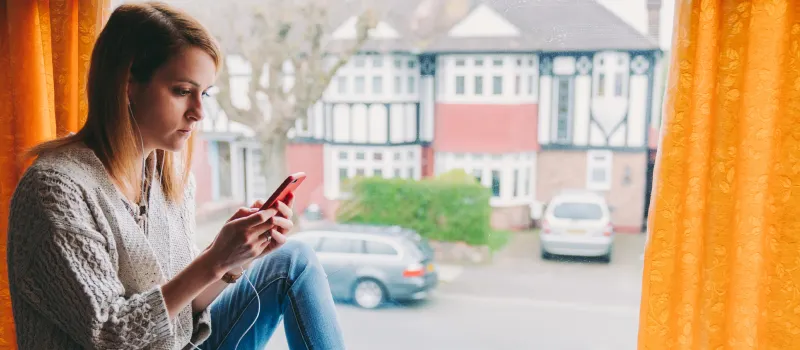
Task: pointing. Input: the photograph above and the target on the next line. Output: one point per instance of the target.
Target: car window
(379, 248)
(578, 211)
(340, 245)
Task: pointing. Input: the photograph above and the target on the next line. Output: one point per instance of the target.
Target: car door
(338, 257)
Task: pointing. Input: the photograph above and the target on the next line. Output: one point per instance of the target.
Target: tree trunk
(273, 161)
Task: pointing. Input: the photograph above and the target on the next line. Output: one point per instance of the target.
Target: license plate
(430, 268)
(576, 232)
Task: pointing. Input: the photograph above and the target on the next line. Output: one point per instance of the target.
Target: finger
(282, 223)
(259, 217)
(278, 238)
(284, 210)
(289, 200)
(261, 229)
(258, 204)
(240, 213)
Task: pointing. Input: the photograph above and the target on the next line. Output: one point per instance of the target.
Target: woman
(99, 252)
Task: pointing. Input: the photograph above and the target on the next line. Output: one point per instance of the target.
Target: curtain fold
(722, 265)
(45, 46)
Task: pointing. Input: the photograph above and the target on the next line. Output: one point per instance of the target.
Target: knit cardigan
(84, 272)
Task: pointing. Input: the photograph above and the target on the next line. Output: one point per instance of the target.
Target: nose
(196, 111)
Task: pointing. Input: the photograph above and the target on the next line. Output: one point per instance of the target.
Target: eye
(206, 94)
(182, 92)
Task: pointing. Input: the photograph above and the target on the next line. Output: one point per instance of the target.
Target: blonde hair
(135, 42)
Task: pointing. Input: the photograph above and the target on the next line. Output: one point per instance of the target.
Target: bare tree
(283, 39)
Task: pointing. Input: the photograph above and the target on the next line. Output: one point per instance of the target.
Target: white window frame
(599, 159)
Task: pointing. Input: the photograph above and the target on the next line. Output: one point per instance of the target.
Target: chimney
(653, 18)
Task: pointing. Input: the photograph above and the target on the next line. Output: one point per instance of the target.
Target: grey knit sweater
(83, 271)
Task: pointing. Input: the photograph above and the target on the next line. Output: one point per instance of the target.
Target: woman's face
(168, 108)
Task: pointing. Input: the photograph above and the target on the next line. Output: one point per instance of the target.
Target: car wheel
(546, 255)
(368, 294)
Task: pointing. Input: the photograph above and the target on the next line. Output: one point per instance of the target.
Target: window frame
(602, 159)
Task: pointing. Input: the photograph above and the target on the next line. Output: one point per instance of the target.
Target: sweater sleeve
(69, 276)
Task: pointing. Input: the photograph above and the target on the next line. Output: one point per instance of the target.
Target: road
(518, 302)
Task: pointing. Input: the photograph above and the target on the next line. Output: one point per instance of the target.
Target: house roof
(544, 25)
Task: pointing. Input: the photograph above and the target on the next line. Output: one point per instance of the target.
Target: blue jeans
(293, 286)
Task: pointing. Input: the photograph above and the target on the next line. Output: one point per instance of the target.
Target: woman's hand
(274, 235)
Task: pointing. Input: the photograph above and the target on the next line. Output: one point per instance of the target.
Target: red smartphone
(288, 186)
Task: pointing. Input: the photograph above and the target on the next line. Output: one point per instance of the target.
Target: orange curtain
(44, 59)
(722, 266)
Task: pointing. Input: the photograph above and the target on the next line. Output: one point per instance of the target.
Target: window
(398, 63)
(530, 62)
(497, 62)
(563, 111)
(377, 61)
(478, 62)
(397, 174)
(359, 171)
(598, 167)
(530, 85)
(377, 156)
(377, 85)
(412, 64)
(411, 173)
(578, 211)
(517, 83)
(359, 82)
(341, 85)
(516, 183)
(479, 85)
(343, 155)
(410, 155)
(377, 172)
(601, 85)
(527, 181)
(460, 62)
(343, 179)
(379, 248)
(478, 174)
(412, 85)
(398, 85)
(359, 61)
(495, 183)
(460, 85)
(519, 62)
(360, 155)
(497, 85)
(397, 156)
(340, 245)
(618, 83)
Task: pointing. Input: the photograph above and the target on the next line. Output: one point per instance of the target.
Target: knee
(298, 257)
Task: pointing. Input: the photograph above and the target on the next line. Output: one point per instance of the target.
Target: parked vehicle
(577, 223)
(370, 265)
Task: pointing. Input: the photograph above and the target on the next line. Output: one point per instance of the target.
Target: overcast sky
(635, 13)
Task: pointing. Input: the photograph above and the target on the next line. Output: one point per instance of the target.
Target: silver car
(370, 265)
(577, 223)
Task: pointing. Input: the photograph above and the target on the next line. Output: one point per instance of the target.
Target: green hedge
(452, 207)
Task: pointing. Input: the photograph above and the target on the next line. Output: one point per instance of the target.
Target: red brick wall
(307, 158)
(427, 161)
(486, 128)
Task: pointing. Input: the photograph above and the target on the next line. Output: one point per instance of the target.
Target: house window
(342, 155)
(478, 62)
(359, 171)
(341, 85)
(360, 155)
(495, 183)
(397, 173)
(343, 179)
(478, 174)
(398, 63)
(562, 128)
(377, 85)
(517, 83)
(530, 85)
(618, 84)
(398, 85)
(377, 61)
(598, 167)
(358, 61)
(397, 156)
(460, 85)
(516, 183)
(377, 173)
(378, 156)
(527, 181)
(601, 85)
(411, 173)
(497, 85)
(519, 62)
(412, 85)
(411, 64)
(359, 85)
(497, 62)
(479, 85)
(460, 62)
